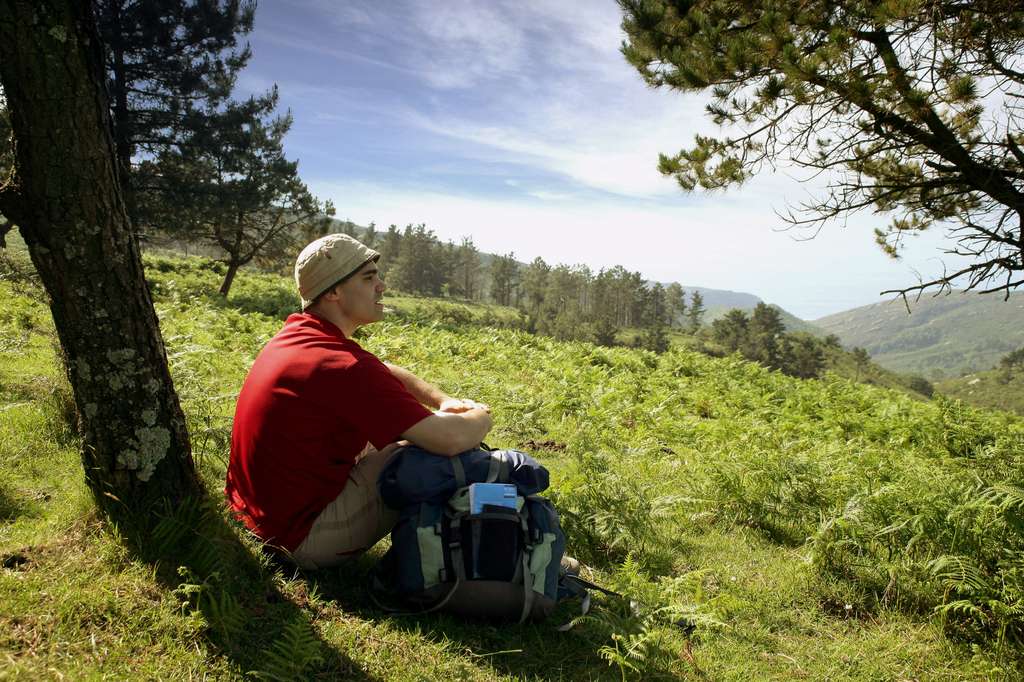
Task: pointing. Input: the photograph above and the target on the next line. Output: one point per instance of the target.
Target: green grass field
(768, 528)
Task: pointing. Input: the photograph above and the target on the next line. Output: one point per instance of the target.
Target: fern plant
(291, 655)
(640, 627)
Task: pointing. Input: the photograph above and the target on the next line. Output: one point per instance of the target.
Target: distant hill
(1001, 389)
(720, 301)
(942, 336)
(725, 300)
(791, 321)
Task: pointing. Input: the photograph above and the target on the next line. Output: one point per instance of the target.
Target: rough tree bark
(67, 201)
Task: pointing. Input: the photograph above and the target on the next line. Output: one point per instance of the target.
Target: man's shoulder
(307, 341)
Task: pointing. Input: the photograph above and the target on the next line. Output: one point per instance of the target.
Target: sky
(519, 123)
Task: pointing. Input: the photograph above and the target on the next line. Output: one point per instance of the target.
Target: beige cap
(325, 262)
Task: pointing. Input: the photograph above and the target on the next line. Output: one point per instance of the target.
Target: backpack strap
(527, 575)
(497, 469)
(527, 588)
(455, 548)
(459, 471)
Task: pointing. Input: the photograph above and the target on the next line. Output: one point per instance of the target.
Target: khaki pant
(354, 521)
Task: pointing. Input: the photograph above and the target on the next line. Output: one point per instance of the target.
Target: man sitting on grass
(318, 417)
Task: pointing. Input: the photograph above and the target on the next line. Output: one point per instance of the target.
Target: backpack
(501, 562)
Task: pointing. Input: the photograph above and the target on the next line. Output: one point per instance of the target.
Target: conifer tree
(504, 279)
(604, 310)
(534, 290)
(861, 360)
(1013, 360)
(168, 63)
(730, 331)
(764, 336)
(418, 268)
(466, 271)
(910, 109)
(370, 236)
(802, 355)
(562, 313)
(655, 319)
(234, 188)
(64, 194)
(390, 249)
(695, 314)
(675, 301)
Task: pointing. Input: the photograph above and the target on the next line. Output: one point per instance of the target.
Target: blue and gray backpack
(490, 557)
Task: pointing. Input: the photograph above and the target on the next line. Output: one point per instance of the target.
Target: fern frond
(224, 613)
(961, 607)
(287, 659)
(1005, 497)
(958, 574)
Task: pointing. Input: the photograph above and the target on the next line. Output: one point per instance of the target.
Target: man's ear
(333, 294)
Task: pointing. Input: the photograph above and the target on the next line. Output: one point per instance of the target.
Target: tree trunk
(69, 206)
(229, 277)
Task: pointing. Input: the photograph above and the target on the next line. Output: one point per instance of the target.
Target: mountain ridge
(953, 333)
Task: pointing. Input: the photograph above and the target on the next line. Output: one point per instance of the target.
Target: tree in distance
(655, 319)
(467, 269)
(1013, 360)
(764, 336)
(675, 301)
(504, 279)
(910, 109)
(65, 196)
(418, 268)
(861, 360)
(695, 313)
(233, 187)
(730, 330)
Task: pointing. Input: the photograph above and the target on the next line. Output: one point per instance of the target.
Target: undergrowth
(758, 526)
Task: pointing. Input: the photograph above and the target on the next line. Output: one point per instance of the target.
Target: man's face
(360, 295)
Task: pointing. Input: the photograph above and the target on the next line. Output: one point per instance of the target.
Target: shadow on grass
(254, 620)
(13, 505)
(528, 651)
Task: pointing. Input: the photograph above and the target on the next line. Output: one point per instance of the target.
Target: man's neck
(347, 327)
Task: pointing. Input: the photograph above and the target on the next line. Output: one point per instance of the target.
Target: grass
(769, 528)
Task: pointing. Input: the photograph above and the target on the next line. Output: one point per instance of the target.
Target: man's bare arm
(431, 395)
(449, 434)
(426, 393)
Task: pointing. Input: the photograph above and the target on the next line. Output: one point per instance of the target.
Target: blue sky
(519, 123)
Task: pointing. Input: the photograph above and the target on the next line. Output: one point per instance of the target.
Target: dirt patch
(14, 561)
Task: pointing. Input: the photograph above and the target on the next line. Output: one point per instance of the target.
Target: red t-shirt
(312, 400)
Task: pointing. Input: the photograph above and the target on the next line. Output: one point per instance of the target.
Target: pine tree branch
(946, 143)
(1012, 144)
(996, 64)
